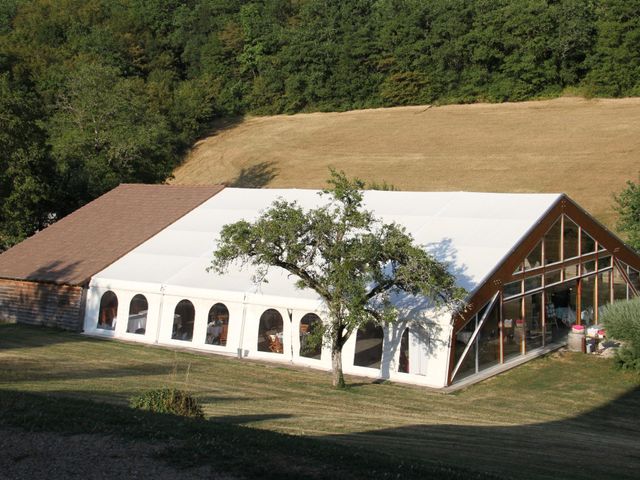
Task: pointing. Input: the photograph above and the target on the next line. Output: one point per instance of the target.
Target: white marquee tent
(472, 232)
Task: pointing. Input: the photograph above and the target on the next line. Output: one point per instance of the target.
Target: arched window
(138, 309)
(404, 352)
(368, 346)
(218, 325)
(270, 332)
(108, 311)
(310, 346)
(183, 318)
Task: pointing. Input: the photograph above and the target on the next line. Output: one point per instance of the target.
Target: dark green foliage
(628, 208)
(627, 358)
(150, 76)
(25, 168)
(622, 322)
(614, 66)
(168, 400)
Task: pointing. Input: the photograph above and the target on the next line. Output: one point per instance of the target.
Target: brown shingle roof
(81, 244)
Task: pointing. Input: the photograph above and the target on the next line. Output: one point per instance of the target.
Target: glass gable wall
(564, 280)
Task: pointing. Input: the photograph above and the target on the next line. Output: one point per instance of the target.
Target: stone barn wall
(36, 303)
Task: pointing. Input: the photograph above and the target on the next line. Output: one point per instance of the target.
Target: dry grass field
(561, 416)
(585, 148)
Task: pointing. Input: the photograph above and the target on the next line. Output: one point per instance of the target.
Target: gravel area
(25, 455)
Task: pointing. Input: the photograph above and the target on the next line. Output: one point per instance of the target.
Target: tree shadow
(18, 335)
(600, 443)
(55, 271)
(220, 442)
(243, 419)
(44, 298)
(220, 125)
(445, 252)
(421, 314)
(255, 176)
(92, 374)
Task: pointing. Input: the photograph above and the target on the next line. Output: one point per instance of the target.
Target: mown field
(561, 416)
(585, 148)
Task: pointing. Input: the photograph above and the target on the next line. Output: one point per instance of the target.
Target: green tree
(352, 260)
(103, 132)
(26, 170)
(628, 208)
(615, 62)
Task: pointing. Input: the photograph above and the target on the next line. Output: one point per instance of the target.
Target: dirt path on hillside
(586, 148)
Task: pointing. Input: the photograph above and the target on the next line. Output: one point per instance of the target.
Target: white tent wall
(124, 296)
(428, 343)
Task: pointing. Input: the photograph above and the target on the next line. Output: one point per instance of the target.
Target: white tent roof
(473, 232)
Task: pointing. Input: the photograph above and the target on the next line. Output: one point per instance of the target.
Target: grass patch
(586, 148)
(234, 449)
(529, 422)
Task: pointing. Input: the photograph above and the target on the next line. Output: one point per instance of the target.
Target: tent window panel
(310, 341)
(604, 262)
(218, 325)
(138, 310)
(369, 346)
(108, 311)
(571, 235)
(533, 321)
(532, 283)
(270, 329)
(571, 272)
(513, 288)
(634, 278)
(534, 259)
(489, 339)
(587, 243)
(587, 300)
(604, 289)
(468, 365)
(552, 243)
(183, 318)
(560, 310)
(619, 285)
(512, 326)
(404, 352)
(552, 277)
(589, 267)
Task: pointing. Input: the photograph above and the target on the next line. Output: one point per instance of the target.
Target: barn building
(133, 265)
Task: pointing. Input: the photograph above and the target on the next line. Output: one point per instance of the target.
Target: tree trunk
(337, 342)
(336, 363)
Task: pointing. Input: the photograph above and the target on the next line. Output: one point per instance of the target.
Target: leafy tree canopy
(351, 259)
(152, 75)
(628, 208)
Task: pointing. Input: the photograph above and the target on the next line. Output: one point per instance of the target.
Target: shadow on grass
(14, 335)
(93, 374)
(255, 176)
(602, 443)
(230, 448)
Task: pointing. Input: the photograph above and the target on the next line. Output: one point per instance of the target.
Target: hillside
(586, 148)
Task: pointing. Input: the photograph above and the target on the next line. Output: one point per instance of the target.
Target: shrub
(627, 358)
(622, 322)
(168, 400)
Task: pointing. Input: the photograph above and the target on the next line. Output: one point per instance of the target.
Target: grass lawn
(561, 416)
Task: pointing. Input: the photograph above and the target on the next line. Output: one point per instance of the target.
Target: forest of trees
(98, 92)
